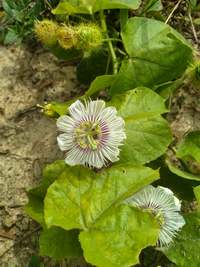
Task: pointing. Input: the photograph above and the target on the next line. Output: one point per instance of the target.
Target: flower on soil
(162, 203)
(92, 134)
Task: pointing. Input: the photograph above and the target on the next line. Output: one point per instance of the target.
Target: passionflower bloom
(92, 134)
(162, 203)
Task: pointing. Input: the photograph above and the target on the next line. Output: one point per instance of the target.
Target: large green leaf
(92, 6)
(92, 65)
(99, 83)
(139, 100)
(59, 243)
(147, 138)
(185, 249)
(181, 187)
(157, 54)
(82, 199)
(117, 237)
(74, 6)
(115, 4)
(189, 148)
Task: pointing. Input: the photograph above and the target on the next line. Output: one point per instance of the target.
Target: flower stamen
(87, 129)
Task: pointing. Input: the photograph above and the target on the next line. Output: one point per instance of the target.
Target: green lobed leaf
(157, 54)
(147, 138)
(115, 4)
(93, 64)
(59, 243)
(99, 192)
(185, 249)
(138, 100)
(99, 83)
(74, 7)
(92, 6)
(189, 148)
(65, 54)
(118, 237)
(82, 199)
(183, 188)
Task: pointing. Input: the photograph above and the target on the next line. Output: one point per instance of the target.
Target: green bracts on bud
(83, 37)
(89, 36)
(46, 31)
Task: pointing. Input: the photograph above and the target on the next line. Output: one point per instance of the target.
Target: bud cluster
(82, 37)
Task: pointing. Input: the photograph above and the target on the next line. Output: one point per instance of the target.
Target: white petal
(65, 124)
(65, 142)
(77, 110)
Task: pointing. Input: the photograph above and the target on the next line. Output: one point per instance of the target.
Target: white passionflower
(162, 203)
(92, 134)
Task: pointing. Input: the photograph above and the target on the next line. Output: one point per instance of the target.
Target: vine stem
(110, 46)
(181, 86)
(184, 164)
(113, 39)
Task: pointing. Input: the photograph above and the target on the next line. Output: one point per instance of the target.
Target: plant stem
(182, 86)
(184, 164)
(113, 39)
(109, 43)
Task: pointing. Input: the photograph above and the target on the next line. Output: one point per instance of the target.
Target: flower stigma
(86, 133)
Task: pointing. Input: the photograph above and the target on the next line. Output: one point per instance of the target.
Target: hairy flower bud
(89, 36)
(48, 110)
(67, 36)
(46, 31)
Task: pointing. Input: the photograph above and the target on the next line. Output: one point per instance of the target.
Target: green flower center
(158, 217)
(87, 134)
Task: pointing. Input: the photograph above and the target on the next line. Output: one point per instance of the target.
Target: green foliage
(99, 83)
(35, 206)
(185, 249)
(136, 101)
(150, 63)
(93, 64)
(59, 243)
(92, 6)
(22, 17)
(147, 133)
(81, 199)
(179, 182)
(65, 54)
(189, 148)
(35, 262)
